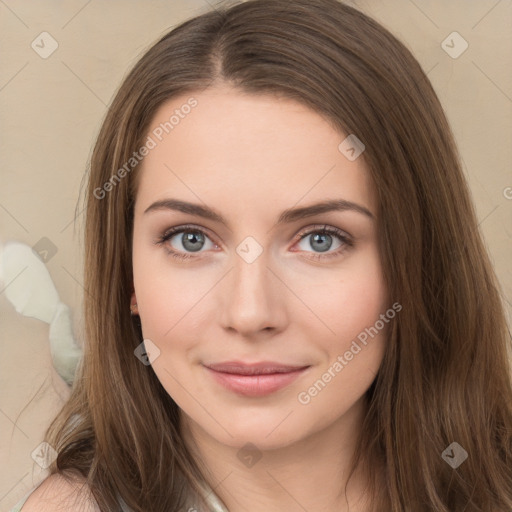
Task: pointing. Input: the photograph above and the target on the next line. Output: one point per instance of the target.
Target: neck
(310, 474)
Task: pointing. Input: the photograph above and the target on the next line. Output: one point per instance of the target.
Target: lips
(254, 379)
(262, 368)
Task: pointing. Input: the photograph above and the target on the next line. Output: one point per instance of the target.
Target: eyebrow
(287, 216)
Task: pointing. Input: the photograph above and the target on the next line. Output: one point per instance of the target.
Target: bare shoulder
(58, 493)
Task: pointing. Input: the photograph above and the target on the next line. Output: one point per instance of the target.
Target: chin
(265, 434)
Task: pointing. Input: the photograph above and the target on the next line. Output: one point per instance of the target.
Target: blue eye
(193, 240)
(321, 238)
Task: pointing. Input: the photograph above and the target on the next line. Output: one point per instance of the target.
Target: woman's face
(292, 318)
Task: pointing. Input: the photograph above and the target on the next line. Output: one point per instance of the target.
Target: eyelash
(319, 229)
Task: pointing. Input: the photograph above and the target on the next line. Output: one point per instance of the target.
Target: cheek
(166, 296)
(347, 301)
(352, 351)
(169, 305)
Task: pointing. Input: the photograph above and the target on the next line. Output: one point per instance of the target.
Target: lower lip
(255, 385)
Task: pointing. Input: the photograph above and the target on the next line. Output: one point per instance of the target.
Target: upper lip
(259, 368)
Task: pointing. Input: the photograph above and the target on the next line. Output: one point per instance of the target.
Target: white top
(214, 502)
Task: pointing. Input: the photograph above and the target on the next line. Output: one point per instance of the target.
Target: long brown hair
(445, 376)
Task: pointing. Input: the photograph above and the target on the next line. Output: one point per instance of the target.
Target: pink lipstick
(254, 379)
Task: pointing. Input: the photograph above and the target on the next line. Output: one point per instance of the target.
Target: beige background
(51, 109)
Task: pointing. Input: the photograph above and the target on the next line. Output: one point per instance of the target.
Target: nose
(253, 298)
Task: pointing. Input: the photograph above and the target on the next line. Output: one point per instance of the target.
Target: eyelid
(185, 227)
(314, 228)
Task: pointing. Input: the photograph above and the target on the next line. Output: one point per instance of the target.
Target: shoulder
(59, 493)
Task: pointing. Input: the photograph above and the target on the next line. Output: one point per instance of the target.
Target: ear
(133, 305)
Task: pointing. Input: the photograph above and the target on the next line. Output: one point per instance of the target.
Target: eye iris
(321, 237)
(192, 241)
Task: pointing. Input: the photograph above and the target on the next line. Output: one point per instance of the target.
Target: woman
(229, 363)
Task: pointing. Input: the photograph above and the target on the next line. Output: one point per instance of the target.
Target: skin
(250, 157)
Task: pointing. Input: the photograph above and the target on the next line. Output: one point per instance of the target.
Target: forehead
(249, 150)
